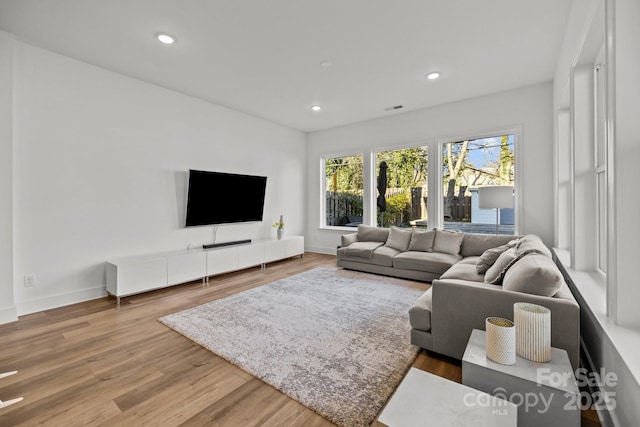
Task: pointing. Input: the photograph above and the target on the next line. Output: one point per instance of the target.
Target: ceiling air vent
(395, 107)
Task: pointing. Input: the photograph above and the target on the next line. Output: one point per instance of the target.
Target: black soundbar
(217, 245)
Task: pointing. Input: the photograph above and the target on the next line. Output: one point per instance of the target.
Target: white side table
(546, 393)
(423, 399)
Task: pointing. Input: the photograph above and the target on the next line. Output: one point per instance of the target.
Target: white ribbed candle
(500, 340)
(533, 331)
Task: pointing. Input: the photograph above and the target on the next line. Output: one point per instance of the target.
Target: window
(401, 175)
(343, 183)
(468, 166)
(600, 155)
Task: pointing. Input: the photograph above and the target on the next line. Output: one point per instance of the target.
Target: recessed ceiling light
(316, 107)
(433, 76)
(326, 64)
(165, 38)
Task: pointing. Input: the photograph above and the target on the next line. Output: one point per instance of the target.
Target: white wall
(529, 108)
(100, 171)
(7, 307)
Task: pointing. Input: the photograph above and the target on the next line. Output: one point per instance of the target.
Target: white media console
(137, 274)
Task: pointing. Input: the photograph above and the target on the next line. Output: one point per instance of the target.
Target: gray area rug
(336, 341)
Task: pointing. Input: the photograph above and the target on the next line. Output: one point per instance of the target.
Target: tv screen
(223, 198)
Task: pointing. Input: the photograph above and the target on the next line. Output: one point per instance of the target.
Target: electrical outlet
(29, 280)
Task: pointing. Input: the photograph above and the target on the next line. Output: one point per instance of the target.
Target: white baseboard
(60, 300)
(8, 314)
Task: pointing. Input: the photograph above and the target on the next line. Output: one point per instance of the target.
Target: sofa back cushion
(399, 238)
(422, 241)
(475, 244)
(530, 244)
(447, 242)
(367, 233)
(534, 274)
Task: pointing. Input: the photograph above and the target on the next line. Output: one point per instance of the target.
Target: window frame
(600, 160)
(323, 187)
(374, 182)
(516, 131)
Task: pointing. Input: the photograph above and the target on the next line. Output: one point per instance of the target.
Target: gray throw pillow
(422, 241)
(447, 242)
(399, 238)
(534, 274)
(496, 272)
(367, 233)
(488, 258)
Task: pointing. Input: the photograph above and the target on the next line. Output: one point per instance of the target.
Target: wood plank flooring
(89, 364)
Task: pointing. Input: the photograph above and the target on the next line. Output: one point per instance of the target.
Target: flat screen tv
(224, 198)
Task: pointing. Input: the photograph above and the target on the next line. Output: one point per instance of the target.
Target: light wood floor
(90, 364)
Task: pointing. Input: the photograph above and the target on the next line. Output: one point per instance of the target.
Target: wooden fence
(458, 209)
(344, 208)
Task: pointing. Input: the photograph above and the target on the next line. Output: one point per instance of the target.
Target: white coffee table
(546, 393)
(423, 399)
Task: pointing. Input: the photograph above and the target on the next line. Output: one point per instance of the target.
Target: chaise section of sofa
(461, 299)
(473, 276)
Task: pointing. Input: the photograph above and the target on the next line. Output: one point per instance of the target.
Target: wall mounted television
(224, 198)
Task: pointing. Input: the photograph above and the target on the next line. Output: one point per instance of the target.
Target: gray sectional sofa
(473, 276)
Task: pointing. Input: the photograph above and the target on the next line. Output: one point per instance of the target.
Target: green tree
(455, 163)
(344, 174)
(407, 167)
(505, 166)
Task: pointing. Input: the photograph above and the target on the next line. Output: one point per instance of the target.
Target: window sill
(592, 288)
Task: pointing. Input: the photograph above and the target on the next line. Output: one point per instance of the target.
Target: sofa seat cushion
(469, 260)
(382, 256)
(432, 262)
(362, 249)
(463, 271)
(420, 313)
(534, 274)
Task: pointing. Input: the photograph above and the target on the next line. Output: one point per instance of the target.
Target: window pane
(343, 191)
(467, 167)
(600, 119)
(402, 187)
(602, 221)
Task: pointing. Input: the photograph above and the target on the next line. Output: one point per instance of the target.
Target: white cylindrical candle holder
(500, 340)
(533, 331)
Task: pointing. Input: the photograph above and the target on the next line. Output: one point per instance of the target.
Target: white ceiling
(263, 57)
